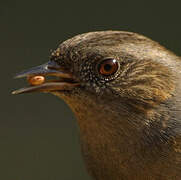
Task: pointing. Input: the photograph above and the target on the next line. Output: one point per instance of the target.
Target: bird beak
(64, 80)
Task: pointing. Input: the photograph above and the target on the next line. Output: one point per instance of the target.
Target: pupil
(107, 67)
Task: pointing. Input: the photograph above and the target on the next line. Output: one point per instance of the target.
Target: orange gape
(36, 80)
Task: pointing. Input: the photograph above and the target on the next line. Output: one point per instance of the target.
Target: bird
(125, 92)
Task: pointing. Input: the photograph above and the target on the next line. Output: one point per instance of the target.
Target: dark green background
(38, 132)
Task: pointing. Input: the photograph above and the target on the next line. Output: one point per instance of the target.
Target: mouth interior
(40, 79)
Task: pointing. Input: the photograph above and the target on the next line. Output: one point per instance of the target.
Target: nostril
(53, 65)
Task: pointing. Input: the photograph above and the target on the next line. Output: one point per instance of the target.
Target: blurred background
(38, 132)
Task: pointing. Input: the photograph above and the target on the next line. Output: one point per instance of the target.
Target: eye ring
(108, 67)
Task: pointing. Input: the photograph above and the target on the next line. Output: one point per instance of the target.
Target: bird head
(119, 85)
(109, 68)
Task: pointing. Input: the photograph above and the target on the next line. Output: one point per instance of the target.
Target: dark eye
(108, 67)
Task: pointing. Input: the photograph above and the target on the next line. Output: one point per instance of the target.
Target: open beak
(64, 80)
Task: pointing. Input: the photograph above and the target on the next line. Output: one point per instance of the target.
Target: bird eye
(108, 67)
